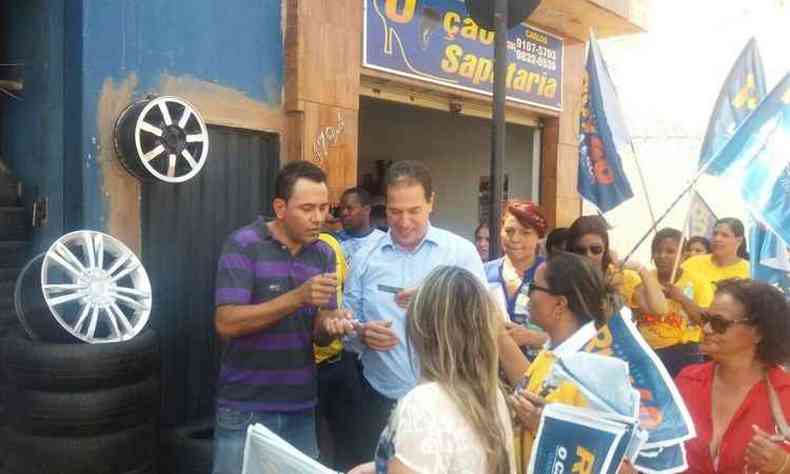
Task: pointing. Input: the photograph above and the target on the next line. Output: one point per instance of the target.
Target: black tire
(123, 452)
(13, 223)
(83, 413)
(3, 411)
(189, 449)
(6, 288)
(7, 311)
(9, 274)
(8, 323)
(67, 367)
(9, 190)
(13, 253)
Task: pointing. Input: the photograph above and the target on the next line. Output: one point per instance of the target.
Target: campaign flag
(758, 155)
(702, 220)
(267, 453)
(662, 412)
(572, 439)
(602, 133)
(666, 460)
(741, 93)
(770, 258)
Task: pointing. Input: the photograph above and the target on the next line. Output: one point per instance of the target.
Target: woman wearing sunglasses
(589, 237)
(522, 226)
(745, 335)
(569, 299)
(728, 253)
(675, 334)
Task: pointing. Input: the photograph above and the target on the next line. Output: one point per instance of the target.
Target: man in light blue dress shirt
(385, 275)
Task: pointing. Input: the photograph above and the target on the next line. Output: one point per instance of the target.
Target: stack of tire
(82, 408)
(189, 449)
(13, 254)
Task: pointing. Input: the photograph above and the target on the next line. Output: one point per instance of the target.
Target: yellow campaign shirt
(566, 393)
(323, 353)
(625, 282)
(703, 266)
(675, 328)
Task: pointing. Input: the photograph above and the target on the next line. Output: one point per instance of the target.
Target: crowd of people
(411, 350)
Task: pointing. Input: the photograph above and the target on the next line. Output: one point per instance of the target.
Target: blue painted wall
(32, 134)
(234, 43)
(71, 48)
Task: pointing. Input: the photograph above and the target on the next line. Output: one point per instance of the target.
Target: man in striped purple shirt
(275, 295)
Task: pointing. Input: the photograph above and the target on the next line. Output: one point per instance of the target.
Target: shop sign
(436, 41)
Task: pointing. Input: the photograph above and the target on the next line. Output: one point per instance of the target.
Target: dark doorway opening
(184, 226)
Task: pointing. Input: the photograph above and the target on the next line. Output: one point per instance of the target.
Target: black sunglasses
(594, 249)
(533, 288)
(720, 325)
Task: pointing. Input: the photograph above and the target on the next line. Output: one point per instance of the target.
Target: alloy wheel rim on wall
(162, 139)
(88, 286)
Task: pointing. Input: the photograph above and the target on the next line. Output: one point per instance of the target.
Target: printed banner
(437, 41)
(568, 440)
(662, 412)
(668, 460)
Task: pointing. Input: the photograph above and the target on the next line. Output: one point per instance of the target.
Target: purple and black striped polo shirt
(272, 370)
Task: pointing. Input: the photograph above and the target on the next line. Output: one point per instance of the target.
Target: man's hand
(525, 337)
(378, 335)
(403, 298)
(339, 324)
(319, 290)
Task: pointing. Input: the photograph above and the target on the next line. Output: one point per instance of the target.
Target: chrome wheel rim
(95, 287)
(171, 139)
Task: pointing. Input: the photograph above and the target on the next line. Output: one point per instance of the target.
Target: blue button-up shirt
(384, 264)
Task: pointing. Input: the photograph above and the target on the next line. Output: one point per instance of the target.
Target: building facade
(277, 80)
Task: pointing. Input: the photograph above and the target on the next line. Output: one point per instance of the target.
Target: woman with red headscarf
(523, 225)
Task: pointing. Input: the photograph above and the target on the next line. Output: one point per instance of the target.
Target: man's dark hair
(582, 284)
(293, 172)
(557, 238)
(768, 310)
(662, 235)
(362, 195)
(409, 172)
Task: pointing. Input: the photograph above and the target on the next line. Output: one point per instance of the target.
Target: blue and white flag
(667, 460)
(758, 155)
(572, 439)
(741, 93)
(701, 219)
(770, 258)
(662, 412)
(602, 133)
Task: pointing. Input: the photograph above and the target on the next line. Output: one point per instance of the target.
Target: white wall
(455, 148)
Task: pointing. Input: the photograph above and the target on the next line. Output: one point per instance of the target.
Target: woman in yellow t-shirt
(675, 333)
(728, 254)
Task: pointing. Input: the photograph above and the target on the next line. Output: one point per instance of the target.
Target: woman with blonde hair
(456, 419)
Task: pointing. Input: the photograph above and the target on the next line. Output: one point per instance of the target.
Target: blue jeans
(230, 434)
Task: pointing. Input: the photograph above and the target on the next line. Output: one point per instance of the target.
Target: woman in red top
(746, 334)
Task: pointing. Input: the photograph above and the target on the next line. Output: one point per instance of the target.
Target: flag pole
(644, 186)
(672, 205)
(683, 239)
